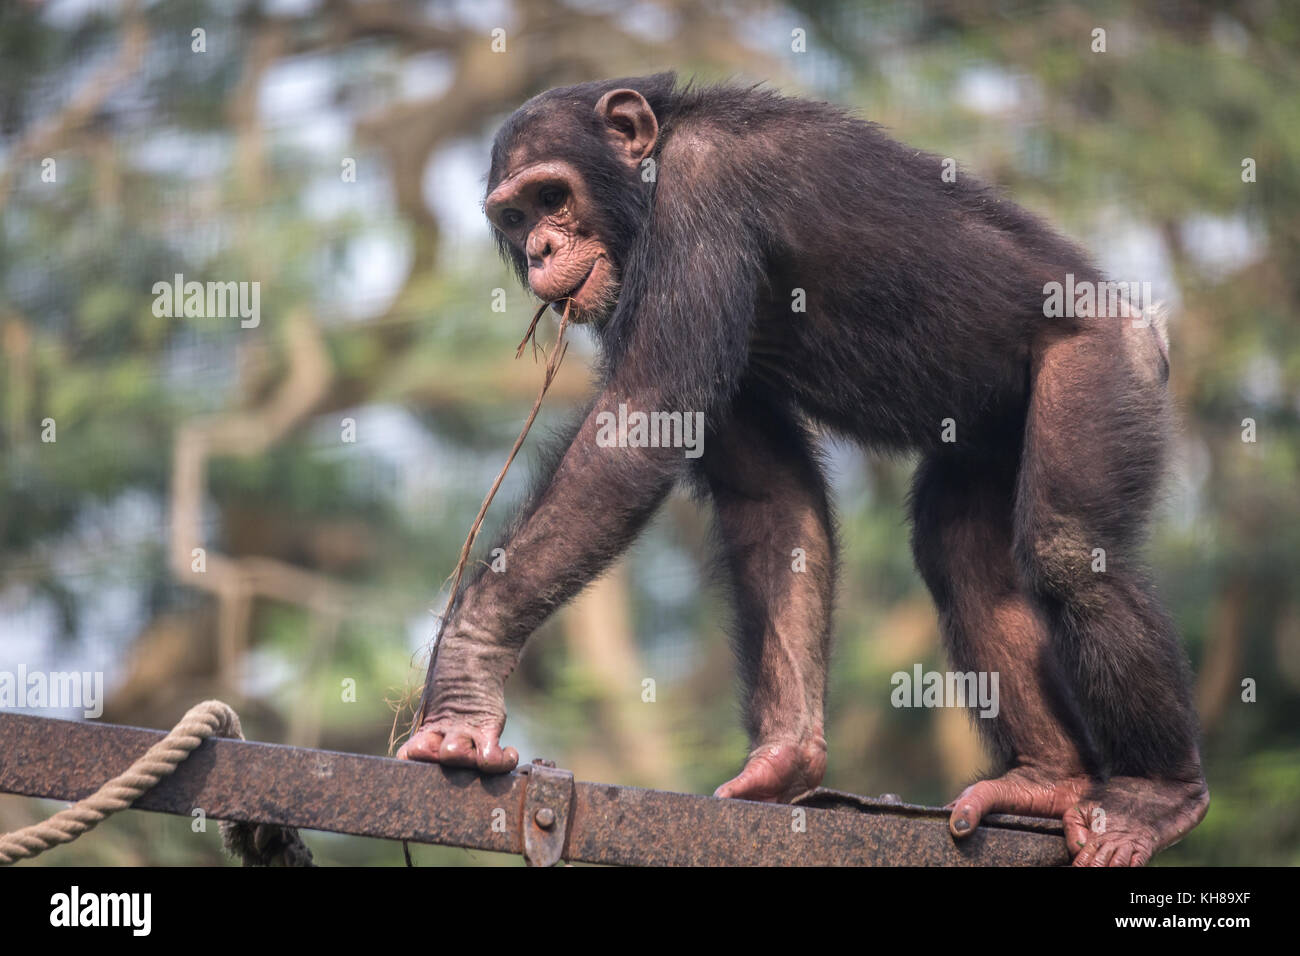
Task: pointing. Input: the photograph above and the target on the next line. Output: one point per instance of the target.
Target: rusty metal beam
(538, 811)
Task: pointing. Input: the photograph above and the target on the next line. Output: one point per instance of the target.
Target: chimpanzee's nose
(539, 250)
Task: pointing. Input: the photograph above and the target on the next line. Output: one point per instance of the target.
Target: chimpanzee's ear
(631, 122)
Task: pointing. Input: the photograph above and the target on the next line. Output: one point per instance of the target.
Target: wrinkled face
(545, 211)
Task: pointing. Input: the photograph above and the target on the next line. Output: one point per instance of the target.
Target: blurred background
(330, 460)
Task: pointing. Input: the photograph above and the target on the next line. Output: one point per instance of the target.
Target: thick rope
(212, 718)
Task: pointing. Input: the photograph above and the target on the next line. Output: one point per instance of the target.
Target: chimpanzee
(777, 265)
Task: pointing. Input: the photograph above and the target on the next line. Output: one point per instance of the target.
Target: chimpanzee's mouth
(563, 300)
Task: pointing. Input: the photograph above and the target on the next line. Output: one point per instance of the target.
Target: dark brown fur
(924, 303)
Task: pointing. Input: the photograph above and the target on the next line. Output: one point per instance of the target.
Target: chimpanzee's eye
(551, 196)
(511, 218)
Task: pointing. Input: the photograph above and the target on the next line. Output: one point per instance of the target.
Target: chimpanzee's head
(565, 195)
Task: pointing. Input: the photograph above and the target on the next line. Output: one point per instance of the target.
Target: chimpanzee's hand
(466, 712)
(460, 742)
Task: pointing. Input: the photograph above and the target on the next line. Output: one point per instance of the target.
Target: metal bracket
(548, 804)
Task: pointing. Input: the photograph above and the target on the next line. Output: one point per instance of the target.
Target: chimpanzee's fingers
(492, 758)
(423, 745)
(458, 750)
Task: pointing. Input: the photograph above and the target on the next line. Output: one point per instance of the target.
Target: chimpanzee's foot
(778, 772)
(1122, 822)
(1032, 793)
(458, 742)
(1130, 819)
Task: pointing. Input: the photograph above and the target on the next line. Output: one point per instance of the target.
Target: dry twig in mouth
(552, 364)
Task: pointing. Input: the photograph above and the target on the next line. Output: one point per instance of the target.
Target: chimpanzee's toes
(1014, 792)
(1115, 850)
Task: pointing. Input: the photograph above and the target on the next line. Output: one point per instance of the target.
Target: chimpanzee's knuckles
(490, 757)
(423, 745)
(458, 749)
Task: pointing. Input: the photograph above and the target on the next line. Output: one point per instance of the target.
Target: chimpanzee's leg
(1093, 448)
(962, 517)
(775, 528)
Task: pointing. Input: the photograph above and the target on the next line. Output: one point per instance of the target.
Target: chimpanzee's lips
(561, 301)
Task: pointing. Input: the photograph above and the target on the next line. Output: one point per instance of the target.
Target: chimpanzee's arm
(678, 342)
